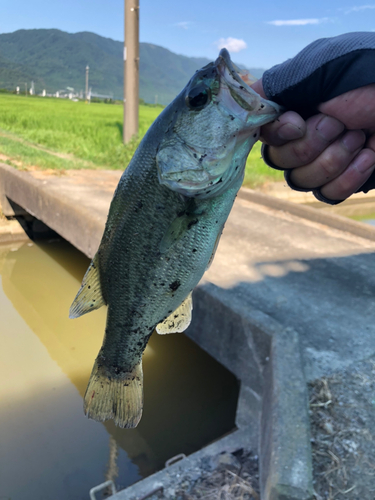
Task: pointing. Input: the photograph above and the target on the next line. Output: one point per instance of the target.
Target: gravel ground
(342, 409)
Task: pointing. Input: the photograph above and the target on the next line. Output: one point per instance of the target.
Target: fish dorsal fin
(179, 320)
(89, 296)
(215, 248)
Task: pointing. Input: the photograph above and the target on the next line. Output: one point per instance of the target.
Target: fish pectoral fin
(179, 320)
(115, 397)
(215, 248)
(175, 231)
(89, 296)
(178, 228)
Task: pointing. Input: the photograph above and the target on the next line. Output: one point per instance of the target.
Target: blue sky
(258, 34)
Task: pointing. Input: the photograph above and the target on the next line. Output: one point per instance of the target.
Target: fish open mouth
(241, 76)
(224, 117)
(238, 83)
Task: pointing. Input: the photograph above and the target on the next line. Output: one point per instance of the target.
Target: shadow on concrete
(328, 301)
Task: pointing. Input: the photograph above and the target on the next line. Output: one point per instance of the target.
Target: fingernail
(289, 132)
(354, 140)
(329, 128)
(364, 162)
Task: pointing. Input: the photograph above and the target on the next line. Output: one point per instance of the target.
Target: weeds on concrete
(342, 410)
(236, 480)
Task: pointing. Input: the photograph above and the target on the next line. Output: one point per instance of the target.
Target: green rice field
(58, 134)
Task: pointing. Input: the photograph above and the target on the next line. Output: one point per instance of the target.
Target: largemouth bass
(163, 227)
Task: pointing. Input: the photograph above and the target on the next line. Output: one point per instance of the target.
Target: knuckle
(303, 153)
(329, 165)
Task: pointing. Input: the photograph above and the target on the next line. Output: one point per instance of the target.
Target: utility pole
(87, 83)
(131, 69)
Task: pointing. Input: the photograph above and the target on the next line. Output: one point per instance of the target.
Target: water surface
(49, 449)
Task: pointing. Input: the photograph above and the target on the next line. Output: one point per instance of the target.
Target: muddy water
(48, 448)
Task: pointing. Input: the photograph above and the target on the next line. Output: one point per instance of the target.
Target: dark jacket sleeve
(323, 70)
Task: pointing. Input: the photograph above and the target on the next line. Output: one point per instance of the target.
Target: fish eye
(198, 97)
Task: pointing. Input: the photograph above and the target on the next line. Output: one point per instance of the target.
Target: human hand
(332, 152)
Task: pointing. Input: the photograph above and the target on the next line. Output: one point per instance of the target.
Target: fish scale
(163, 227)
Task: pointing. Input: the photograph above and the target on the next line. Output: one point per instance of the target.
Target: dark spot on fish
(162, 284)
(194, 250)
(255, 135)
(89, 287)
(237, 167)
(176, 316)
(231, 117)
(91, 305)
(208, 192)
(192, 223)
(173, 286)
(170, 312)
(139, 343)
(262, 106)
(241, 87)
(220, 180)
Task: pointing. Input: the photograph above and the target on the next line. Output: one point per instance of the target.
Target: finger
(288, 127)
(321, 130)
(370, 143)
(356, 108)
(258, 87)
(352, 178)
(331, 162)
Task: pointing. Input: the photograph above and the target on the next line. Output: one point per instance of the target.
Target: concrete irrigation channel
(286, 301)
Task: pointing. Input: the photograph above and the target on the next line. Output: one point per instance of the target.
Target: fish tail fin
(115, 397)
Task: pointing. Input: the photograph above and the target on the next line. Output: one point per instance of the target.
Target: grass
(59, 134)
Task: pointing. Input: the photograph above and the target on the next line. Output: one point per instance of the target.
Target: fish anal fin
(179, 320)
(89, 296)
(119, 398)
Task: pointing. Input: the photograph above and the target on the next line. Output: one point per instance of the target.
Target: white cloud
(358, 8)
(231, 44)
(297, 22)
(183, 24)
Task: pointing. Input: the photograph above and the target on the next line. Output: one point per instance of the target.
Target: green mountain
(54, 60)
